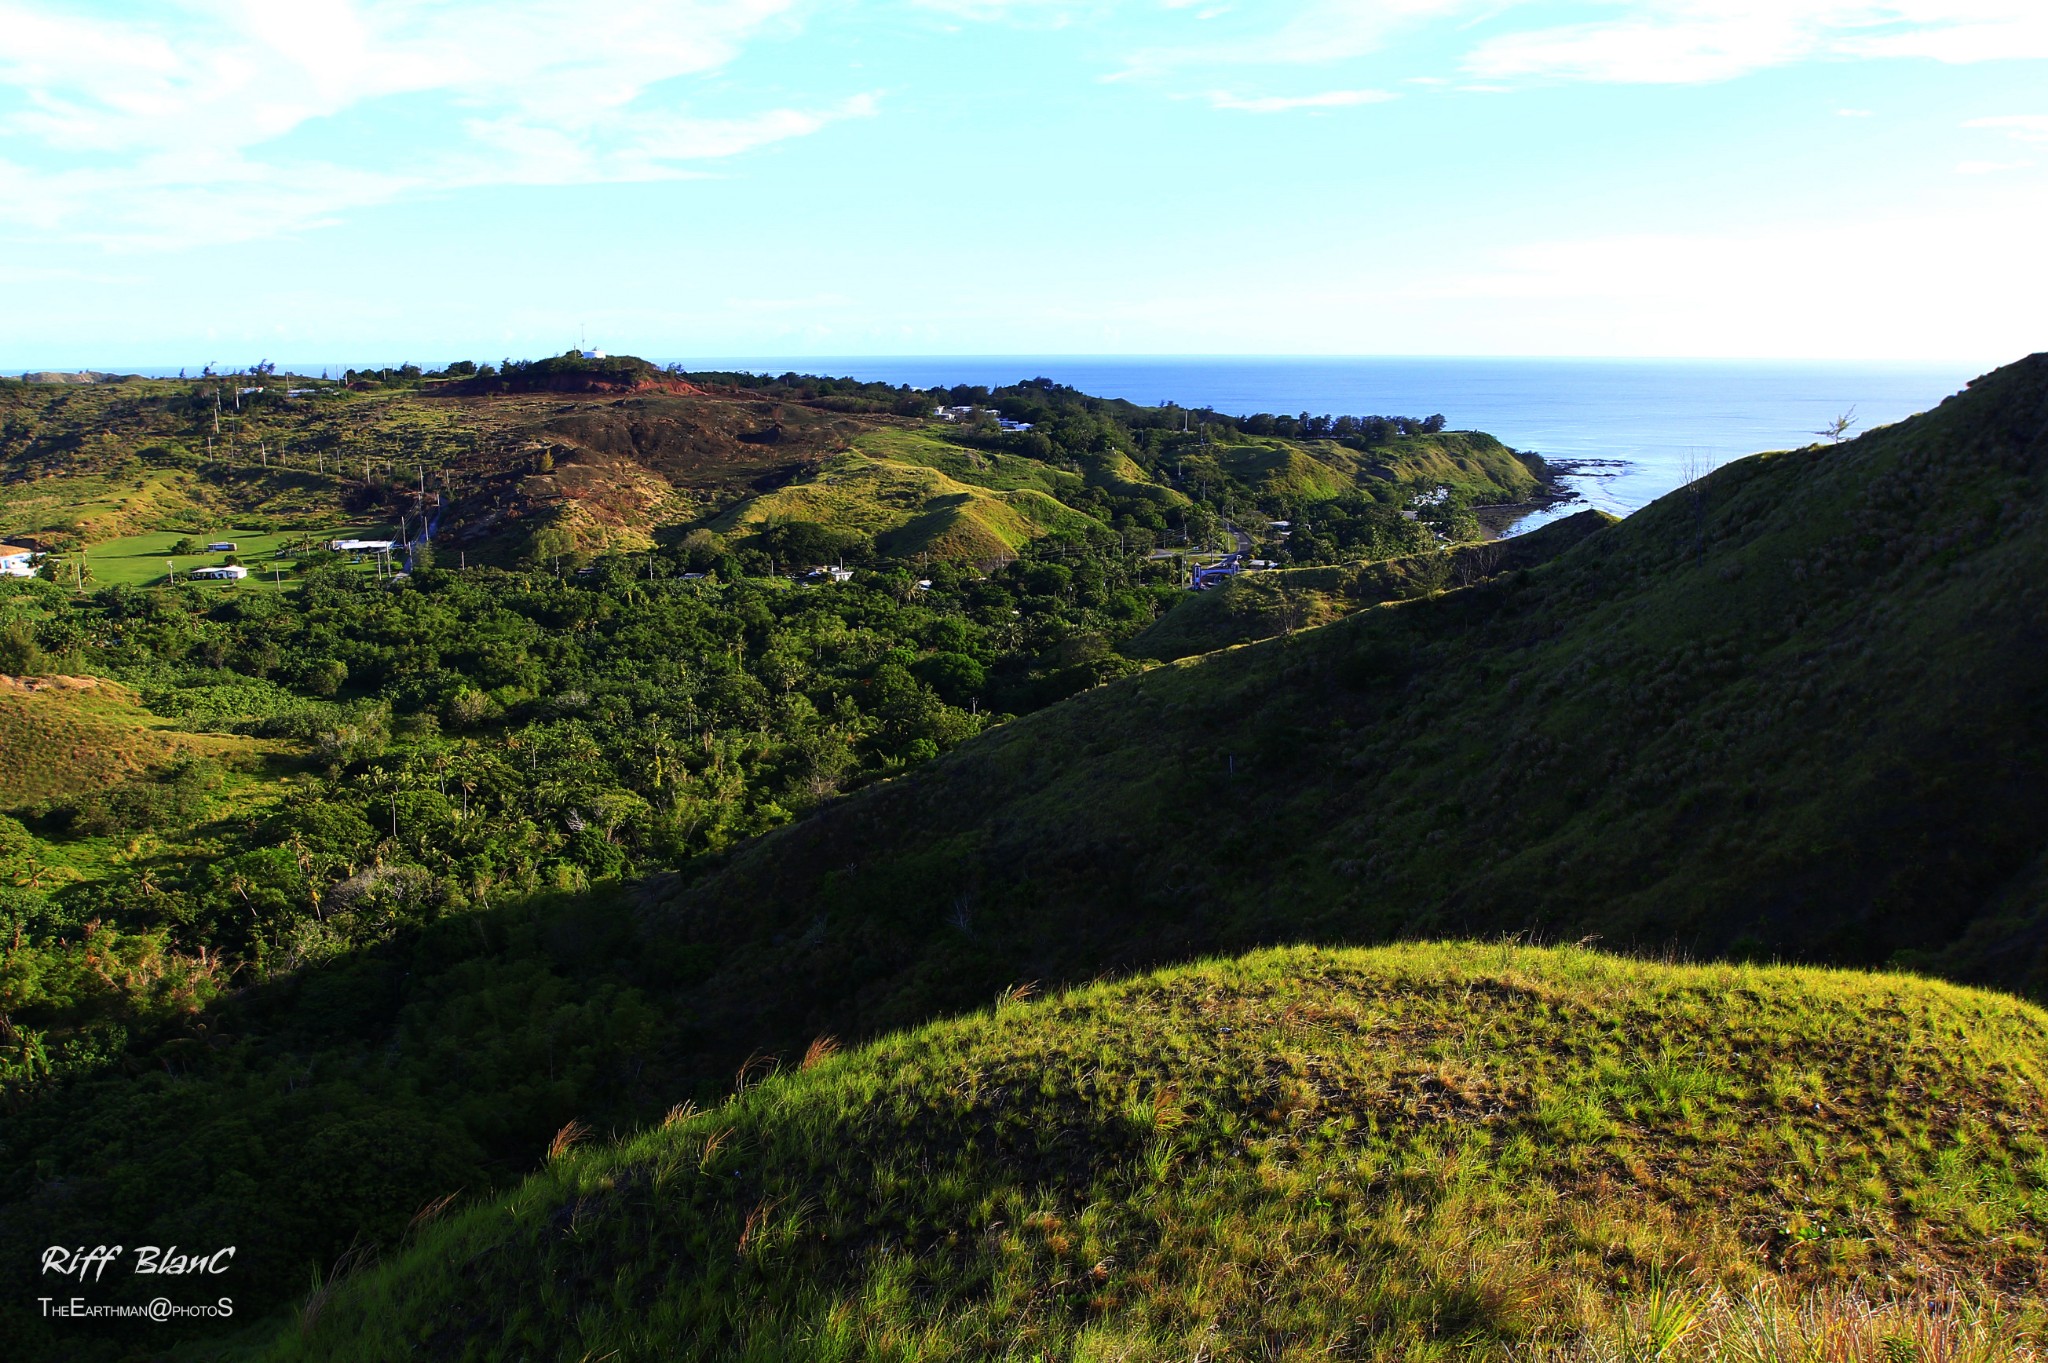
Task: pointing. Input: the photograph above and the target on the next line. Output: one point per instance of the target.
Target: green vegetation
(1756, 718)
(1261, 605)
(1423, 1152)
(272, 557)
(66, 736)
(909, 511)
(568, 456)
(394, 880)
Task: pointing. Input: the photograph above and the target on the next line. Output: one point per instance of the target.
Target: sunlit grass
(1416, 1152)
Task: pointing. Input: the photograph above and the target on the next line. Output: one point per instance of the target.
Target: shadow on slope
(1800, 708)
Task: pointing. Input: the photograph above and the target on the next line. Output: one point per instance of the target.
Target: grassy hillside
(910, 508)
(991, 469)
(1304, 472)
(1421, 1152)
(103, 461)
(1799, 710)
(1261, 605)
(65, 736)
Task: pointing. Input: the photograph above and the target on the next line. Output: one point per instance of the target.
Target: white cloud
(1990, 167)
(1276, 104)
(1312, 31)
(1694, 41)
(2019, 127)
(1957, 284)
(128, 124)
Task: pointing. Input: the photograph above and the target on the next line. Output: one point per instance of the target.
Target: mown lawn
(144, 560)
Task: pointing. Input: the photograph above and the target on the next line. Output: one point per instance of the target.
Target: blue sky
(188, 181)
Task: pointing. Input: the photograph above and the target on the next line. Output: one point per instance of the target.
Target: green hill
(1254, 606)
(1799, 710)
(65, 736)
(1471, 463)
(909, 508)
(1420, 1152)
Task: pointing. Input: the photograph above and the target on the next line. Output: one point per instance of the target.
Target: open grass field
(65, 736)
(1421, 1152)
(142, 560)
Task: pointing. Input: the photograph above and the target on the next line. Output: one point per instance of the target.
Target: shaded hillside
(1800, 709)
(1255, 606)
(1399, 1153)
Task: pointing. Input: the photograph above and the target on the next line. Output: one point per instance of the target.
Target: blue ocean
(1632, 426)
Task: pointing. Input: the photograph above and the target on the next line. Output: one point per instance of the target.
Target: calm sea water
(1648, 418)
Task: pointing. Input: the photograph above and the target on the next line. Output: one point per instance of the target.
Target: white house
(222, 572)
(16, 561)
(362, 546)
(593, 354)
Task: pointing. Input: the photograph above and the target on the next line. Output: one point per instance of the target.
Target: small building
(1010, 425)
(593, 354)
(17, 561)
(221, 547)
(362, 546)
(219, 572)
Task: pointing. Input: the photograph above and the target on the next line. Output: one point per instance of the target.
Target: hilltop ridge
(1395, 1153)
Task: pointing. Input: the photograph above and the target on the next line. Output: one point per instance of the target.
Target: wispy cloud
(2019, 127)
(217, 117)
(1280, 104)
(1306, 32)
(1695, 41)
(1990, 167)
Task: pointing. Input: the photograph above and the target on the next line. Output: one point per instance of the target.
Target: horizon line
(710, 361)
